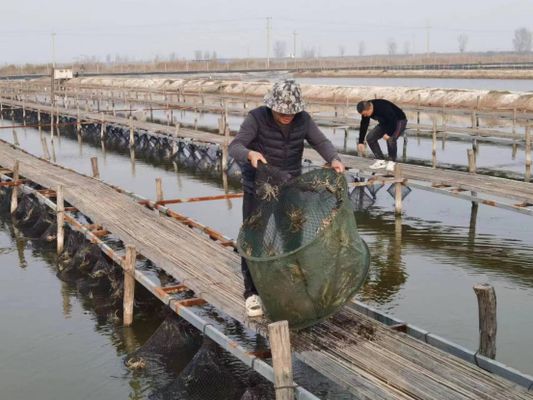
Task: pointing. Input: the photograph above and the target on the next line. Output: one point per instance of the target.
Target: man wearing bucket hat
(274, 134)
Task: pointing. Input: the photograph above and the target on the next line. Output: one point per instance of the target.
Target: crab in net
(268, 192)
(297, 219)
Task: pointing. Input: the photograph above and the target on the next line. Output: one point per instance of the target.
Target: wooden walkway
(370, 360)
(503, 193)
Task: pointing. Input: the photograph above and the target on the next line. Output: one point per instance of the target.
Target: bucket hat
(285, 97)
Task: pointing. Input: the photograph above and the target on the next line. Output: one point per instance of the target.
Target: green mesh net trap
(302, 247)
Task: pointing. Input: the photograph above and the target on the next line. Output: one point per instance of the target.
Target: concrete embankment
(436, 97)
(443, 73)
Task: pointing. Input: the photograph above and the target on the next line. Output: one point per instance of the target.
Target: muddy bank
(451, 98)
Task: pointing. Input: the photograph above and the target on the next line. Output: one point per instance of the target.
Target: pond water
(421, 272)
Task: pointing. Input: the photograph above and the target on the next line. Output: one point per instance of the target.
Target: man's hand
(386, 137)
(254, 157)
(361, 148)
(338, 166)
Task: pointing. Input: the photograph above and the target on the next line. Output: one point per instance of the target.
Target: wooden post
(46, 152)
(15, 191)
(132, 160)
(477, 112)
(528, 151)
(129, 284)
(486, 297)
(132, 135)
(15, 138)
(471, 161)
(418, 115)
(345, 144)
(94, 165)
(39, 121)
(52, 124)
(397, 190)
(60, 210)
(78, 122)
(225, 150)
(280, 346)
(473, 220)
(158, 189)
(24, 109)
(434, 145)
(102, 128)
(175, 141)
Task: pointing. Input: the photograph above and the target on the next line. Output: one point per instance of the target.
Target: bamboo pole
(129, 284)
(14, 192)
(94, 166)
(279, 337)
(488, 326)
(60, 210)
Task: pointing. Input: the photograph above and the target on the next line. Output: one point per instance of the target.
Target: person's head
(285, 100)
(365, 108)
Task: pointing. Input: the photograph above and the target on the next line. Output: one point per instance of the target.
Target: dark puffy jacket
(260, 132)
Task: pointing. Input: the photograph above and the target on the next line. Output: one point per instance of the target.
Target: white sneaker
(254, 306)
(378, 164)
(390, 166)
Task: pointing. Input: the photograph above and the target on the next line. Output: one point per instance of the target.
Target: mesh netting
(302, 246)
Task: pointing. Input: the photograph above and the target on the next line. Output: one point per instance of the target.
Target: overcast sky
(237, 28)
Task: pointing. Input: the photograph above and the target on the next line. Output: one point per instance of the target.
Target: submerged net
(302, 246)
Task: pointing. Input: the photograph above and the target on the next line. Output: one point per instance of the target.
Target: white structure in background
(62, 73)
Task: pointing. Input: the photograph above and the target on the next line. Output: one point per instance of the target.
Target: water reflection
(387, 273)
(459, 246)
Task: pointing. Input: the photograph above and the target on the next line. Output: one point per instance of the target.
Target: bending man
(391, 125)
(275, 134)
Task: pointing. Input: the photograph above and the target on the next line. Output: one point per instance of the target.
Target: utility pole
(294, 34)
(53, 49)
(268, 29)
(428, 28)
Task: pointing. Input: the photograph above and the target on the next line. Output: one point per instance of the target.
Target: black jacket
(260, 132)
(386, 113)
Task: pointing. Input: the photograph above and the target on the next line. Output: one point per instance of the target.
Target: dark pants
(377, 133)
(249, 205)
